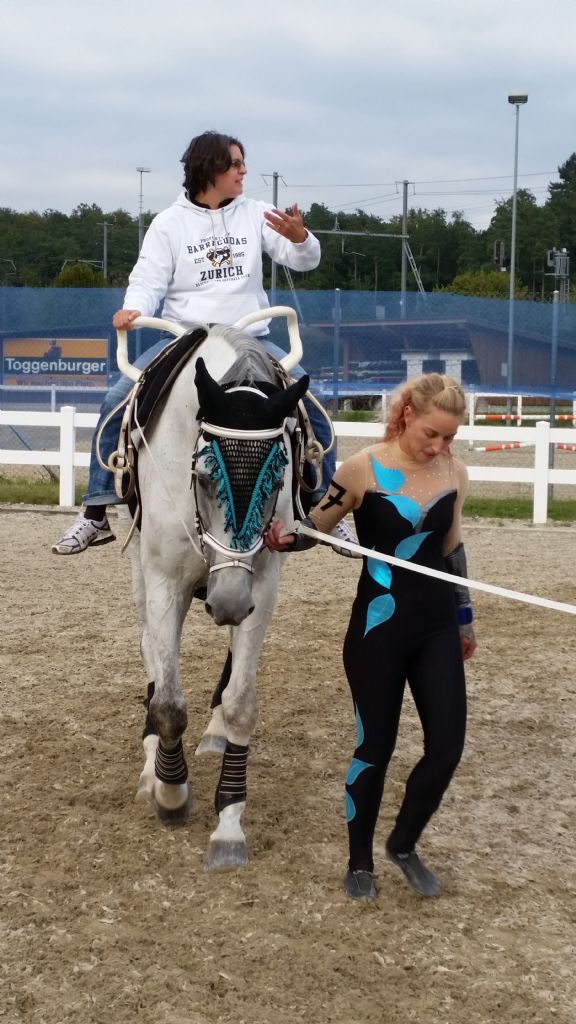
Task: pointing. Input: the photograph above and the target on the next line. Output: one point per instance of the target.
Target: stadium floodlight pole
(517, 99)
(141, 171)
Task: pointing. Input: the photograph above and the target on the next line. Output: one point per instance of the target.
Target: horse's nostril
(250, 610)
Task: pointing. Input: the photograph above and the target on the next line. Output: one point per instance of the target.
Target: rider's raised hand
(290, 225)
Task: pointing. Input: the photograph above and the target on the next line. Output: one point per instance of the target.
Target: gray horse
(214, 464)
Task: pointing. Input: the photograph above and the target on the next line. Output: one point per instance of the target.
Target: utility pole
(404, 266)
(105, 225)
(141, 171)
(274, 271)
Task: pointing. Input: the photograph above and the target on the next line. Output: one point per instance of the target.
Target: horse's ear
(284, 403)
(210, 394)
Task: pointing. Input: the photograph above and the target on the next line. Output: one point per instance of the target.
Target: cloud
(343, 100)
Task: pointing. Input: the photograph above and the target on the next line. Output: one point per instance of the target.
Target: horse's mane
(252, 363)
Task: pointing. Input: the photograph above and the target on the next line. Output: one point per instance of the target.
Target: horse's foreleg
(227, 847)
(239, 711)
(147, 778)
(228, 843)
(214, 739)
(146, 782)
(164, 777)
(139, 596)
(170, 798)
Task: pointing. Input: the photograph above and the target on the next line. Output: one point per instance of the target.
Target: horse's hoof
(211, 744)
(221, 855)
(173, 815)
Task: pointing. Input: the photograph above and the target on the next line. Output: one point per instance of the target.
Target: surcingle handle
(124, 365)
(294, 356)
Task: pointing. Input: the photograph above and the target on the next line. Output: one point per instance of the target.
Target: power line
(471, 192)
(431, 181)
(495, 177)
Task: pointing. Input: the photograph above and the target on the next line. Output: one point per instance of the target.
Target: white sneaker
(83, 533)
(343, 532)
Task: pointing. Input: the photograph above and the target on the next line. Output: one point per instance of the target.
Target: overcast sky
(344, 98)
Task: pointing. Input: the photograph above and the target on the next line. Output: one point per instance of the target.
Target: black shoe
(415, 872)
(359, 885)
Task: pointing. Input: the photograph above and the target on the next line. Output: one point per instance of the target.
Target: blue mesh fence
(354, 342)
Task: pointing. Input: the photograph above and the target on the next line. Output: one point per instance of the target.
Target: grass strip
(21, 491)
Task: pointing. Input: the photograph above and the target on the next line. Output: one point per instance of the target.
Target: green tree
(491, 284)
(562, 204)
(79, 275)
(441, 247)
(536, 232)
(40, 243)
(445, 247)
(364, 261)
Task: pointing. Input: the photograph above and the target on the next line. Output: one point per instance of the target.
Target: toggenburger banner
(55, 361)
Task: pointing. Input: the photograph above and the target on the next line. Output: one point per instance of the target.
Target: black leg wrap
(231, 788)
(149, 729)
(170, 765)
(224, 680)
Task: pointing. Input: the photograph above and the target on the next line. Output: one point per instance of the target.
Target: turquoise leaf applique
(407, 507)
(356, 768)
(350, 807)
(408, 547)
(380, 572)
(379, 610)
(359, 728)
(387, 479)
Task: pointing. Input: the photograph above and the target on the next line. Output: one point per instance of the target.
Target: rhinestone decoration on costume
(246, 472)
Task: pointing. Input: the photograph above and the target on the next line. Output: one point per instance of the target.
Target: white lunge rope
(513, 595)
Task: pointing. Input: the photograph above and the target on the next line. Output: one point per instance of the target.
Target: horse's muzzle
(224, 617)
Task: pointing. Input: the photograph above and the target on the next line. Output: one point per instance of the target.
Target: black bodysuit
(403, 627)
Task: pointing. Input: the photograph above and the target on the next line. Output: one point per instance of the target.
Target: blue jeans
(100, 482)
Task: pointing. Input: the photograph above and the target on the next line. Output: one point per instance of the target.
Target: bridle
(211, 446)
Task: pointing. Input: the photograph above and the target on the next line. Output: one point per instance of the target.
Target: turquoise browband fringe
(268, 478)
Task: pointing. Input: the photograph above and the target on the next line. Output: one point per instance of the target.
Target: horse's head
(238, 470)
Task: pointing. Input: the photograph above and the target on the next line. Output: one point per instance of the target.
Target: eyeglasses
(237, 164)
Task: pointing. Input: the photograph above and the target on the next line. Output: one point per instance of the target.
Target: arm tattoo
(332, 499)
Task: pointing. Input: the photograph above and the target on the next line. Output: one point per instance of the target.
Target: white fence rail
(539, 475)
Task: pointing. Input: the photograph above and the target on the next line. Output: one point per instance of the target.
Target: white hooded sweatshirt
(207, 264)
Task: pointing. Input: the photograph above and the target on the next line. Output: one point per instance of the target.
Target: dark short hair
(206, 156)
